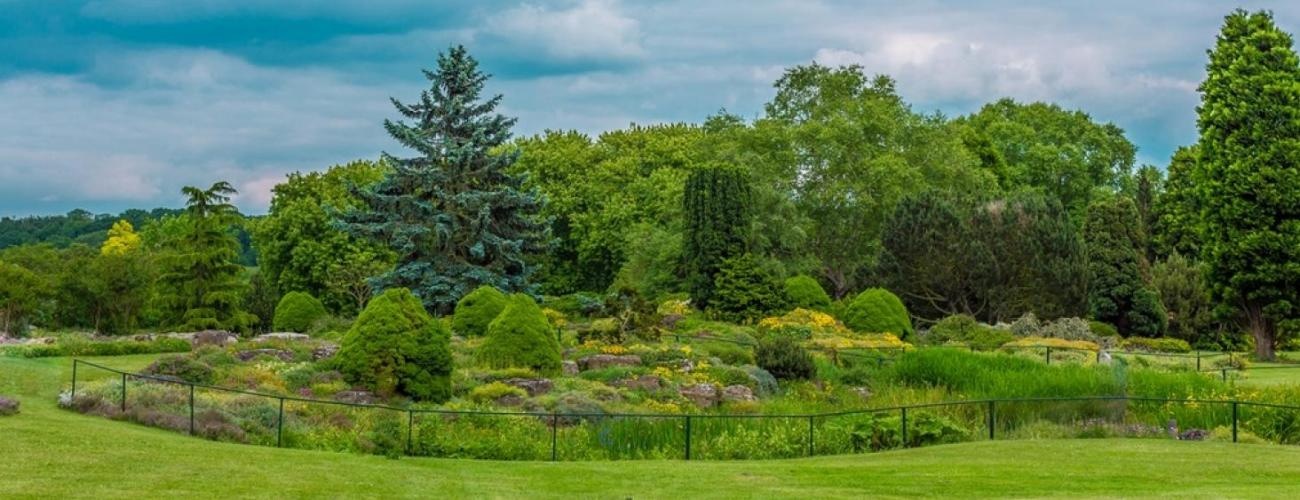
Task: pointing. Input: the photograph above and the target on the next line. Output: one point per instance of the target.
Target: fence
(290, 421)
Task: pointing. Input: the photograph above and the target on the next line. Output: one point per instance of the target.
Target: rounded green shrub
(297, 311)
(476, 310)
(1101, 329)
(804, 291)
(785, 358)
(877, 310)
(744, 291)
(184, 368)
(395, 346)
(521, 337)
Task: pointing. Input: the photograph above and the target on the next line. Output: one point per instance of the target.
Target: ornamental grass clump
(476, 310)
(396, 347)
(521, 337)
(297, 312)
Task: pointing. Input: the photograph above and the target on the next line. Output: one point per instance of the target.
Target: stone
(703, 395)
(283, 336)
(569, 367)
(324, 351)
(1193, 435)
(355, 397)
(686, 366)
(510, 400)
(862, 392)
(643, 383)
(41, 341)
(533, 386)
(8, 406)
(737, 393)
(598, 361)
(280, 354)
(220, 338)
(669, 321)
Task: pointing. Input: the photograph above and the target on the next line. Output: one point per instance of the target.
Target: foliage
(1082, 345)
(454, 215)
(1100, 329)
(297, 312)
(476, 310)
(488, 393)
(717, 211)
(184, 368)
(1155, 345)
(70, 347)
(1247, 170)
(122, 239)
(744, 291)
(520, 337)
(21, 293)
(802, 324)
(804, 291)
(962, 329)
(1181, 284)
(1068, 329)
(653, 263)
(200, 286)
(1118, 270)
(785, 358)
(395, 346)
(876, 310)
(76, 227)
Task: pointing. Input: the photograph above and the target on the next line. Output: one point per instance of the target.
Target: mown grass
(51, 453)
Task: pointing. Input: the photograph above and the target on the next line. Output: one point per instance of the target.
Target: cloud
(592, 30)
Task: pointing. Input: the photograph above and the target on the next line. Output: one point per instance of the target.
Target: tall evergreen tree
(1118, 271)
(454, 216)
(200, 276)
(716, 205)
(1248, 174)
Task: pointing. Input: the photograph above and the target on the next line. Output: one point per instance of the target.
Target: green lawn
(46, 452)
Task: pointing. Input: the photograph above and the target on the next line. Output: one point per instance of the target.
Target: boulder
(644, 383)
(737, 393)
(703, 395)
(570, 367)
(283, 336)
(862, 392)
(280, 354)
(533, 386)
(8, 406)
(1193, 435)
(598, 361)
(220, 338)
(355, 397)
(510, 400)
(324, 351)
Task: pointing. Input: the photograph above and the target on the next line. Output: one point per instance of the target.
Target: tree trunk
(1262, 330)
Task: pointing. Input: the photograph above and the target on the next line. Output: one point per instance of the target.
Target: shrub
(8, 406)
(1155, 345)
(876, 310)
(476, 310)
(764, 383)
(297, 312)
(804, 291)
(488, 393)
(181, 368)
(1101, 329)
(576, 304)
(802, 324)
(963, 329)
(395, 346)
(744, 291)
(1068, 329)
(785, 358)
(520, 337)
(387, 436)
(1026, 325)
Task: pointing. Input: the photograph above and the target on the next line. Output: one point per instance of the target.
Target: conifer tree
(453, 215)
(716, 204)
(1118, 271)
(200, 278)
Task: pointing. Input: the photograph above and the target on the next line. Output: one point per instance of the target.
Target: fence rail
(695, 435)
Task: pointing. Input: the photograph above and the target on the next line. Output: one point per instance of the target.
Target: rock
(570, 367)
(670, 321)
(248, 355)
(534, 386)
(1193, 435)
(737, 393)
(862, 392)
(510, 400)
(324, 351)
(219, 338)
(143, 337)
(282, 336)
(644, 383)
(8, 406)
(1103, 357)
(599, 361)
(355, 397)
(686, 366)
(703, 395)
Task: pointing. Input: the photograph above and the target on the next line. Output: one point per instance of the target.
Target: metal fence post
(279, 426)
(74, 379)
(1198, 360)
(1047, 354)
(903, 425)
(191, 409)
(1234, 421)
(555, 425)
(1225, 374)
(992, 418)
(410, 431)
(810, 435)
(123, 392)
(688, 437)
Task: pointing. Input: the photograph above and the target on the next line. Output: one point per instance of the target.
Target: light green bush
(804, 291)
(394, 346)
(476, 310)
(877, 310)
(520, 337)
(297, 312)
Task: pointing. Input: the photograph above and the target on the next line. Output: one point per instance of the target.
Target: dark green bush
(1155, 345)
(297, 312)
(476, 310)
(521, 337)
(877, 310)
(744, 291)
(785, 358)
(804, 291)
(576, 304)
(181, 367)
(870, 433)
(394, 346)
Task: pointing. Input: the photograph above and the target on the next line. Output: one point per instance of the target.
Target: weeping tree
(716, 206)
(452, 214)
(200, 270)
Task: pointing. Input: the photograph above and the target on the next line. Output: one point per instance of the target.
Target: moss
(521, 337)
(804, 291)
(394, 346)
(877, 310)
(476, 310)
(297, 311)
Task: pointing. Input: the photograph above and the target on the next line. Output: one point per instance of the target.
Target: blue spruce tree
(452, 214)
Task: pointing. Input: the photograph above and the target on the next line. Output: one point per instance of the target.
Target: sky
(114, 104)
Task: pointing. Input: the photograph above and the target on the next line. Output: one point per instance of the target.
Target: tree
(122, 239)
(1186, 297)
(1177, 212)
(454, 215)
(743, 291)
(1118, 271)
(1248, 173)
(717, 216)
(395, 346)
(200, 276)
(20, 295)
(521, 337)
(299, 248)
(931, 256)
(1148, 184)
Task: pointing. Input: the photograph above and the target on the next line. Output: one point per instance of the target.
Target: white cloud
(590, 30)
